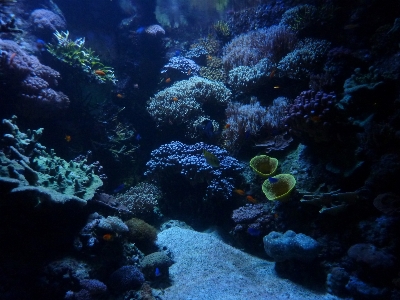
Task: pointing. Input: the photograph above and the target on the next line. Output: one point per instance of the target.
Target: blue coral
(189, 161)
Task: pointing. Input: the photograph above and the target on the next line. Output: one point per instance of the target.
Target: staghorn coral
(180, 67)
(186, 101)
(214, 70)
(304, 59)
(155, 30)
(141, 200)
(249, 48)
(33, 82)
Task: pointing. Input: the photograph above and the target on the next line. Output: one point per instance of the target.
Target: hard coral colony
(273, 126)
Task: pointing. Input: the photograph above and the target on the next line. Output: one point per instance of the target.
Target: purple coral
(126, 278)
(46, 22)
(253, 217)
(33, 82)
(311, 116)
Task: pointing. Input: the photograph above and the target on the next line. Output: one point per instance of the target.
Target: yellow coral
(264, 165)
(281, 189)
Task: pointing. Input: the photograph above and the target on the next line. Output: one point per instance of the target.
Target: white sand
(207, 268)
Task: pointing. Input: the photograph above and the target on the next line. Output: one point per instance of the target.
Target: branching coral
(76, 54)
(186, 101)
(305, 58)
(249, 48)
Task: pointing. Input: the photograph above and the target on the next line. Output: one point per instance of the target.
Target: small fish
(138, 137)
(40, 45)
(209, 57)
(211, 159)
(119, 188)
(136, 86)
(239, 192)
(251, 199)
(272, 74)
(121, 96)
(140, 30)
(227, 126)
(189, 72)
(68, 138)
(168, 80)
(277, 87)
(100, 72)
(108, 237)
(315, 119)
(177, 53)
(174, 99)
(273, 179)
(12, 56)
(253, 231)
(157, 272)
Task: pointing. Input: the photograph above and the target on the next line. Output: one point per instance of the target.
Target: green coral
(27, 161)
(222, 30)
(75, 54)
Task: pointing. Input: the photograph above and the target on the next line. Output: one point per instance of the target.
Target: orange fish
(189, 72)
(209, 57)
(315, 119)
(277, 87)
(239, 192)
(108, 237)
(272, 74)
(12, 56)
(168, 80)
(227, 126)
(100, 72)
(174, 99)
(251, 199)
(121, 96)
(68, 138)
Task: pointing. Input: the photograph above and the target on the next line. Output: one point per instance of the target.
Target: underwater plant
(76, 55)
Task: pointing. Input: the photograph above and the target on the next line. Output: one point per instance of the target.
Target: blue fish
(206, 129)
(140, 30)
(253, 231)
(119, 188)
(138, 137)
(177, 53)
(273, 180)
(157, 272)
(41, 45)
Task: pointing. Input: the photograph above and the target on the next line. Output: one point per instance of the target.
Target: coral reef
(311, 117)
(246, 121)
(46, 22)
(142, 200)
(26, 160)
(180, 67)
(289, 245)
(126, 278)
(186, 101)
(153, 261)
(189, 162)
(304, 59)
(248, 49)
(75, 54)
(33, 82)
(299, 17)
(141, 233)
